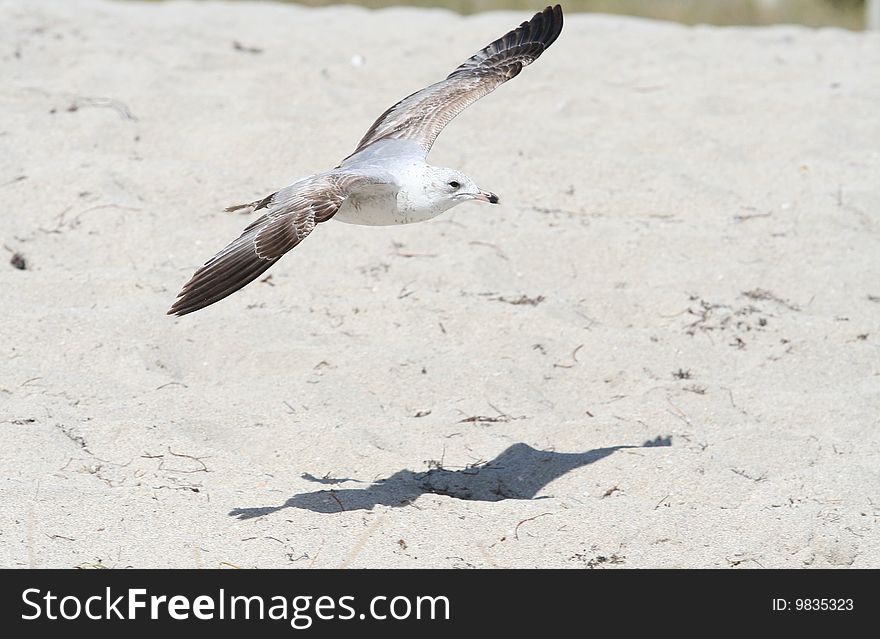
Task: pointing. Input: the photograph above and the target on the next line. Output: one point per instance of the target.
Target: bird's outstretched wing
(292, 214)
(421, 116)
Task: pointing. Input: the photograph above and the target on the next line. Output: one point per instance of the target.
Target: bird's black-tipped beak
(487, 196)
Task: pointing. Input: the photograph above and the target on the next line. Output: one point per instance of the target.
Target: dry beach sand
(663, 349)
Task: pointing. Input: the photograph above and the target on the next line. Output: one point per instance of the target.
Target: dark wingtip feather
(533, 36)
(224, 274)
(544, 27)
(552, 17)
(556, 23)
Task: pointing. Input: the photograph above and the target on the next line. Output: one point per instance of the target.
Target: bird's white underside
(404, 197)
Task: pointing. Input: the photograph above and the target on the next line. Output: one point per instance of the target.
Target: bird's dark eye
(454, 184)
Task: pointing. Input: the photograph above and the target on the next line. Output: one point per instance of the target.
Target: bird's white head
(446, 188)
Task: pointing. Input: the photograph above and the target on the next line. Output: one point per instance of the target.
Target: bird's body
(399, 201)
(387, 179)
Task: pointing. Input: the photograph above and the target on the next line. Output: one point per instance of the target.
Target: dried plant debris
(486, 419)
(759, 294)
(522, 300)
(79, 102)
(598, 561)
(602, 559)
(574, 358)
(328, 479)
(501, 417)
(754, 315)
(19, 261)
(696, 389)
(659, 440)
(238, 46)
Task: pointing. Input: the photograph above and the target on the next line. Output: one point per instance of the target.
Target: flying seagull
(385, 181)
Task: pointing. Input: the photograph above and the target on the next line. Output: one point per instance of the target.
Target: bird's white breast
(370, 209)
(384, 206)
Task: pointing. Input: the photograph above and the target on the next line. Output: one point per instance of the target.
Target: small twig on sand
(483, 419)
(522, 300)
(198, 460)
(120, 107)
(611, 491)
(14, 180)
(160, 387)
(574, 359)
(238, 46)
(516, 529)
(336, 499)
(398, 245)
(495, 247)
(760, 294)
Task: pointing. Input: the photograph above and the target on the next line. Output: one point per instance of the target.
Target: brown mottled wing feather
(293, 214)
(421, 116)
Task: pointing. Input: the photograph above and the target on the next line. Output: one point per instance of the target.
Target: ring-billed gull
(386, 180)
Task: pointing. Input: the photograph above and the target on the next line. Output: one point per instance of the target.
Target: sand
(661, 350)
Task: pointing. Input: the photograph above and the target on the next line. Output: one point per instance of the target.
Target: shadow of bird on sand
(519, 472)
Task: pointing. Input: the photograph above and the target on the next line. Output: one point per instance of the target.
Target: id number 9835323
(813, 604)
